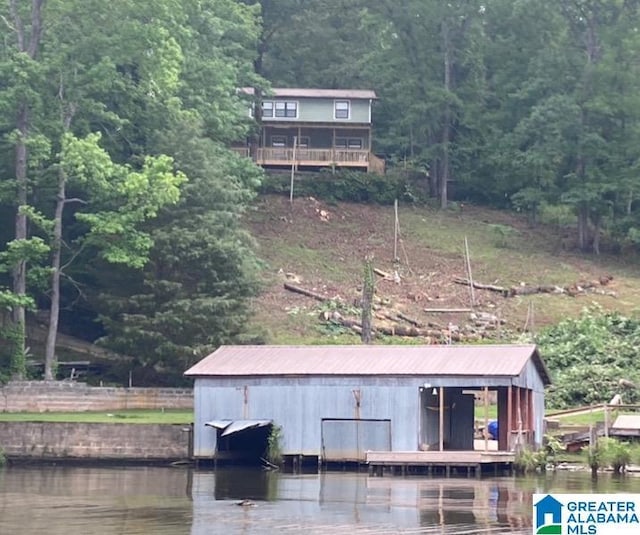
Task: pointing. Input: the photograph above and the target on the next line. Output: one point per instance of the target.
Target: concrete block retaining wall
(69, 396)
(85, 441)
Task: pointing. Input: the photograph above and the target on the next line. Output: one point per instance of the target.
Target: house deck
(315, 158)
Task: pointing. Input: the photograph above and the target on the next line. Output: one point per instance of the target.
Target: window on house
(348, 143)
(287, 109)
(267, 109)
(303, 142)
(341, 109)
(278, 141)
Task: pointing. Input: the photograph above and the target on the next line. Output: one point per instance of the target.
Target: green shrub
(273, 454)
(345, 185)
(587, 357)
(529, 461)
(503, 235)
(609, 452)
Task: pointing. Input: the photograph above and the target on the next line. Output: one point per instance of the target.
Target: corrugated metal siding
(538, 416)
(481, 361)
(529, 378)
(300, 409)
(349, 440)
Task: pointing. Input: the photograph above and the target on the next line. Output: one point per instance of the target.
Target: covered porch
(448, 417)
(314, 146)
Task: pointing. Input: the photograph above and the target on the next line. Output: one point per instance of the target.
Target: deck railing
(304, 156)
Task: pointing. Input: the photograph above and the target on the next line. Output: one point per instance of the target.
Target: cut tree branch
(302, 291)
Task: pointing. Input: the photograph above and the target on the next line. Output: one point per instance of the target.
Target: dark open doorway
(446, 419)
(242, 441)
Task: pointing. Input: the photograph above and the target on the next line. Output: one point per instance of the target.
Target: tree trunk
(596, 235)
(368, 290)
(446, 131)
(583, 227)
(30, 47)
(18, 364)
(54, 311)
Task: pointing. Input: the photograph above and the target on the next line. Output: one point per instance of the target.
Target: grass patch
(172, 416)
(593, 417)
(505, 251)
(479, 412)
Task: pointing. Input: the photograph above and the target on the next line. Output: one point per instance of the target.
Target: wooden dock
(439, 461)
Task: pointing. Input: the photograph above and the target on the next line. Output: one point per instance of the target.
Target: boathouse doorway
(243, 441)
(446, 418)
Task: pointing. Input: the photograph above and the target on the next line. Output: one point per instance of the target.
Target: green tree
(193, 295)
(19, 67)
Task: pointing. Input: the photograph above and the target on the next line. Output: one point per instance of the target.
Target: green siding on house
(322, 110)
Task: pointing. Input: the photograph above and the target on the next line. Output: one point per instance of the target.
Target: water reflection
(350, 502)
(78, 500)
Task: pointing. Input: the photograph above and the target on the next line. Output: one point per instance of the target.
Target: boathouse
(378, 404)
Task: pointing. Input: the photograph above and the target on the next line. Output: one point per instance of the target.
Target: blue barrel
(493, 429)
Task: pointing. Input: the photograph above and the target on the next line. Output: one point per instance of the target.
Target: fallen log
(399, 316)
(447, 310)
(308, 293)
(410, 320)
(530, 290)
(400, 330)
(572, 289)
(499, 289)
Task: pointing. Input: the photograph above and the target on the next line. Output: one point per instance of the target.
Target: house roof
(293, 92)
(461, 360)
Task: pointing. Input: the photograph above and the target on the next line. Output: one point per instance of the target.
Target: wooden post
(486, 418)
(468, 266)
(293, 170)
(395, 231)
(441, 422)
(509, 416)
(606, 420)
(591, 440)
(369, 144)
(333, 150)
(519, 416)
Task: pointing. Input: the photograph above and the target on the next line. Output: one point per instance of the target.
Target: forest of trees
(120, 203)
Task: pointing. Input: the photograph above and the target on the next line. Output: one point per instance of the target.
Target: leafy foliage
(609, 452)
(346, 185)
(592, 358)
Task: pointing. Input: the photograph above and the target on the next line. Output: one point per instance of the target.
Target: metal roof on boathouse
(368, 360)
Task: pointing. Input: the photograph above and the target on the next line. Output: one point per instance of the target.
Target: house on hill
(350, 403)
(314, 128)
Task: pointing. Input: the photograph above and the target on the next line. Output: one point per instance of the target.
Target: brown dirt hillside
(321, 247)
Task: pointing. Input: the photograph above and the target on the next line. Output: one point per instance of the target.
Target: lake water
(66, 500)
